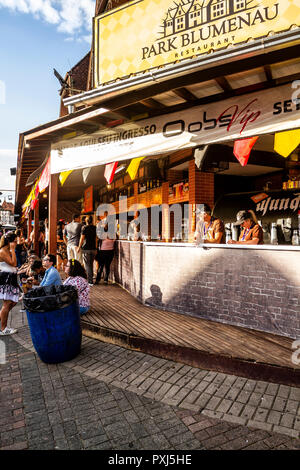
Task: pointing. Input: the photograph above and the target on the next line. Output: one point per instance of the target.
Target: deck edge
(195, 358)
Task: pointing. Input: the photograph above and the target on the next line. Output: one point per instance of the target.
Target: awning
(76, 157)
(35, 174)
(265, 112)
(274, 110)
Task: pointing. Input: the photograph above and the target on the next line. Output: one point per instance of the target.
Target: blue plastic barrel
(56, 335)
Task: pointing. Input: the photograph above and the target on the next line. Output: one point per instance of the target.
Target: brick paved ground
(112, 398)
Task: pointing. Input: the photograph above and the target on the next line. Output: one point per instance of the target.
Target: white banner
(268, 111)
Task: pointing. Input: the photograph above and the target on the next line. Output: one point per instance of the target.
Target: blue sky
(36, 36)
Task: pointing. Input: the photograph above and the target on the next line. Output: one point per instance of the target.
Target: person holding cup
(9, 287)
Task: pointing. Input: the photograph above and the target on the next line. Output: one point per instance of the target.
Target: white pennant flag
(85, 174)
(199, 155)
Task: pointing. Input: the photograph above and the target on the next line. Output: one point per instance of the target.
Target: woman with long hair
(9, 288)
(77, 277)
(105, 255)
(88, 244)
(61, 252)
(20, 248)
(41, 241)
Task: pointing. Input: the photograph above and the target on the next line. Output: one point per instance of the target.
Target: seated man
(51, 276)
(37, 273)
(208, 229)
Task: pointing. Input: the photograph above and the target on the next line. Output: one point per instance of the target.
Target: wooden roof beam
(223, 83)
(268, 73)
(185, 94)
(287, 78)
(152, 103)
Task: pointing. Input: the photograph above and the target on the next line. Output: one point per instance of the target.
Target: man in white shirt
(71, 236)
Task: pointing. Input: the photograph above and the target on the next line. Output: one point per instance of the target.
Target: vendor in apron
(209, 229)
(251, 232)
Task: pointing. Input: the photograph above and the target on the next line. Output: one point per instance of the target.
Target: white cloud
(76, 15)
(72, 17)
(8, 158)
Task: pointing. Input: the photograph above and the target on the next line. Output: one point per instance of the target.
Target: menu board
(88, 200)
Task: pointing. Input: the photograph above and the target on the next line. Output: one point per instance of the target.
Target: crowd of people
(81, 247)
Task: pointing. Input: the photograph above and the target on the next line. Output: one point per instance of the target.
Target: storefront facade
(221, 71)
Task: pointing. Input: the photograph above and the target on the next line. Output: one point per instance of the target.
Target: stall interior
(264, 185)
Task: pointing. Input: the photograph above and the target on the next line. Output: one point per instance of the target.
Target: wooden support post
(36, 228)
(29, 226)
(165, 222)
(136, 192)
(52, 213)
(201, 190)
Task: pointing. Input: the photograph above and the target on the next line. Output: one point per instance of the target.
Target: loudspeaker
(213, 157)
(151, 170)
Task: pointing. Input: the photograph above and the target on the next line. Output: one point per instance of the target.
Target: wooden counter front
(256, 288)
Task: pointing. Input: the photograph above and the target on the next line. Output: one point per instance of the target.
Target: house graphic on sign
(189, 14)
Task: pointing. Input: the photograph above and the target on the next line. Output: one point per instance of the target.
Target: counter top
(206, 246)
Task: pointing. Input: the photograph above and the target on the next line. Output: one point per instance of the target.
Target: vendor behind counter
(277, 213)
(209, 229)
(251, 232)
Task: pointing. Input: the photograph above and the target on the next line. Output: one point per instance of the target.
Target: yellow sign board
(144, 34)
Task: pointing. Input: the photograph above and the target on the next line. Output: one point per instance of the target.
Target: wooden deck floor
(116, 316)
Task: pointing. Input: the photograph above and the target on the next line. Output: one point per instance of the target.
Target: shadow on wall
(156, 299)
(255, 290)
(123, 268)
(247, 291)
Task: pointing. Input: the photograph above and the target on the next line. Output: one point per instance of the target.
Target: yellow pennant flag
(27, 202)
(286, 142)
(63, 176)
(29, 198)
(133, 167)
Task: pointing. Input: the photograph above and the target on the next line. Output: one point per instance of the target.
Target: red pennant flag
(242, 149)
(37, 190)
(45, 177)
(109, 171)
(35, 195)
(33, 204)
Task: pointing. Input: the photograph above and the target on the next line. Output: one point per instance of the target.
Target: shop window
(218, 9)
(239, 5)
(148, 185)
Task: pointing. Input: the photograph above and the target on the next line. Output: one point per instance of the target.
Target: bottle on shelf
(234, 232)
(295, 238)
(228, 234)
(274, 237)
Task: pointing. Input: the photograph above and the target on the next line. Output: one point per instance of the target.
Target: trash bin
(54, 322)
